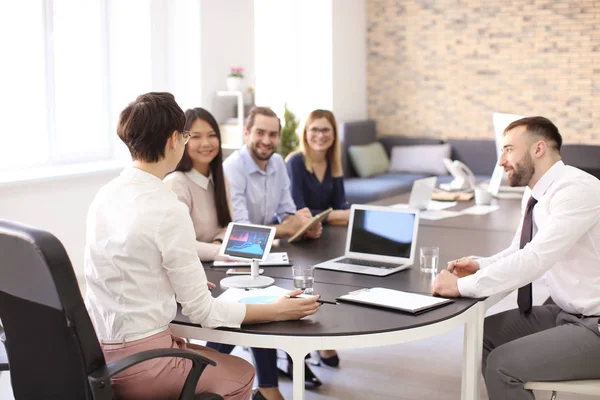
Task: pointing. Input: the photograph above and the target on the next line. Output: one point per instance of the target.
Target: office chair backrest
(50, 340)
(3, 358)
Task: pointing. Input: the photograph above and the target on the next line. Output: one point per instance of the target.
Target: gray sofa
(479, 155)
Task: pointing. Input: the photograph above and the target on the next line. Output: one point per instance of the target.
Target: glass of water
(430, 256)
(304, 278)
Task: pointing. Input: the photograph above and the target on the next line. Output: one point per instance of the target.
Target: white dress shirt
(565, 248)
(140, 257)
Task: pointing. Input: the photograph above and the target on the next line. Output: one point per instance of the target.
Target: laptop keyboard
(367, 263)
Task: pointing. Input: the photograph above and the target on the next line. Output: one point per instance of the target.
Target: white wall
(58, 206)
(293, 55)
(349, 37)
(227, 31)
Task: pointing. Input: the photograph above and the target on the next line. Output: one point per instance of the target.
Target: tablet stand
(254, 280)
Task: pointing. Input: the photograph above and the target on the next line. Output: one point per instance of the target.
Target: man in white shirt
(559, 238)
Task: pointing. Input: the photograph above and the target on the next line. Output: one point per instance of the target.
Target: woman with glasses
(141, 256)
(317, 179)
(316, 169)
(199, 182)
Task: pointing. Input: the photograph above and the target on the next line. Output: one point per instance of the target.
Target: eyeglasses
(322, 131)
(186, 136)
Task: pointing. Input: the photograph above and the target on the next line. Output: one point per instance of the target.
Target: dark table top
(453, 244)
(505, 219)
(456, 237)
(342, 319)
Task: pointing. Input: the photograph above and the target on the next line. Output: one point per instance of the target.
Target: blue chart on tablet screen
(247, 241)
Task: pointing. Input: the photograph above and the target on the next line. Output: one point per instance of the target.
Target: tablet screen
(248, 241)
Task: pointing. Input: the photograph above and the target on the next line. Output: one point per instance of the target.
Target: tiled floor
(427, 369)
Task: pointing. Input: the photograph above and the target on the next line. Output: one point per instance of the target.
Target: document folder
(408, 302)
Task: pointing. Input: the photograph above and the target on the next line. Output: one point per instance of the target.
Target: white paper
(272, 259)
(434, 205)
(440, 214)
(265, 296)
(394, 299)
(480, 210)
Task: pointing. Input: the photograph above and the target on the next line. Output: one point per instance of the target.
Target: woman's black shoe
(333, 361)
(310, 379)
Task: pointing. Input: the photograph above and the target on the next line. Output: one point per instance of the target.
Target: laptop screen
(385, 233)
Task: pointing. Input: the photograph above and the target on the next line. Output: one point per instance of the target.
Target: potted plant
(289, 139)
(235, 77)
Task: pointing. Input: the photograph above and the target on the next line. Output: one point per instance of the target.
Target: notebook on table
(380, 241)
(395, 299)
(314, 220)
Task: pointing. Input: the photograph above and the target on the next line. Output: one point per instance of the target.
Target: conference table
(353, 326)
(506, 219)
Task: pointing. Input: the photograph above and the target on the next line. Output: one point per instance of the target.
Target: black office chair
(50, 341)
(3, 357)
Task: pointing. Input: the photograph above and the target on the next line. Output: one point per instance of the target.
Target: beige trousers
(163, 378)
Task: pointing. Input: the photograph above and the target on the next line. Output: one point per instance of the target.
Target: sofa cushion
(351, 134)
(369, 159)
(424, 159)
(479, 155)
(583, 156)
(366, 190)
(389, 142)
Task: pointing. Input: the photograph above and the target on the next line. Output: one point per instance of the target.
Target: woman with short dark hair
(140, 260)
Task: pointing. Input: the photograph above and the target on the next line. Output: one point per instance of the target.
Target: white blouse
(140, 260)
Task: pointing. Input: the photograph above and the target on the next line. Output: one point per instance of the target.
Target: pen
(318, 301)
(453, 266)
(289, 213)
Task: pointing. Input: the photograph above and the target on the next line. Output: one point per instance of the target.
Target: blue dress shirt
(257, 196)
(307, 191)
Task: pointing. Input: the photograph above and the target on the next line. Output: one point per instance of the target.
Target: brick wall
(440, 68)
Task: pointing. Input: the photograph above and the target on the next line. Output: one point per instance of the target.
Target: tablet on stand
(247, 242)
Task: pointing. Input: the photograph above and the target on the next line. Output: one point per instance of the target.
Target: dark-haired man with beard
(559, 238)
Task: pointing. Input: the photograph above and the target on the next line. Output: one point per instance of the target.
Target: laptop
(380, 241)
(420, 194)
(497, 190)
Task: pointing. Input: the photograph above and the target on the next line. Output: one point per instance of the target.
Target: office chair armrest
(99, 380)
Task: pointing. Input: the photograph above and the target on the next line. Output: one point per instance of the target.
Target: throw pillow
(369, 159)
(425, 159)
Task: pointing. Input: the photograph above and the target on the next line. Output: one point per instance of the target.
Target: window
(23, 102)
(70, 66)
(294, 55)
